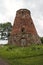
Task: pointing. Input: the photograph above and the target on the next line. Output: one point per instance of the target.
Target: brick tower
(23, 32)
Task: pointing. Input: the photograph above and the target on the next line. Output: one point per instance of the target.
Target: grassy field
(32, 55)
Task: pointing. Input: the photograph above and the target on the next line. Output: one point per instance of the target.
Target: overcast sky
(8, 10)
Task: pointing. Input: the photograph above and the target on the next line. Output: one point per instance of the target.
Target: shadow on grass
(26, 57)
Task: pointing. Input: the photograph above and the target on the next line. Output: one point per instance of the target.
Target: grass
(32, 55)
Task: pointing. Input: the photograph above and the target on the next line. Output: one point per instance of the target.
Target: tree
(5, 27)
(41, 39)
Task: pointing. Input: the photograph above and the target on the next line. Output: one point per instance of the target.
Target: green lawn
(32, 55)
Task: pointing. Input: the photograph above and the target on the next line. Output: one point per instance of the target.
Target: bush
(41, 39)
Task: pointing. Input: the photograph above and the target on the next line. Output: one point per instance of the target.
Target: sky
(8, 10)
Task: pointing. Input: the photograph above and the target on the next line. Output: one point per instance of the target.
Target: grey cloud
(2, 7)
(36, 8)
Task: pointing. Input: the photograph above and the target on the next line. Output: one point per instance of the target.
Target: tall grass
(22, 55)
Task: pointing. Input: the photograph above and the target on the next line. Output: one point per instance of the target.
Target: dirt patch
(3, 62)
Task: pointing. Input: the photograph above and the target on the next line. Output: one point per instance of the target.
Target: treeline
(4, 26)
(5, 30)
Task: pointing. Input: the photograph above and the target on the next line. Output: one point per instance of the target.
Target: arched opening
(23, 42)
(23, 30)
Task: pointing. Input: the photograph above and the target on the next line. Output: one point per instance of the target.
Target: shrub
(41, 39)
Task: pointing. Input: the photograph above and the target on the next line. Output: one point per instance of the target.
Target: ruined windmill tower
(23, 31)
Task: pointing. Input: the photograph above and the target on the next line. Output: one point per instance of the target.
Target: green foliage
(5, 25)
(41, 39)
(32, 55)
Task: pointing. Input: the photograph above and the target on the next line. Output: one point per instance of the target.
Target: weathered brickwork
(23, 31)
